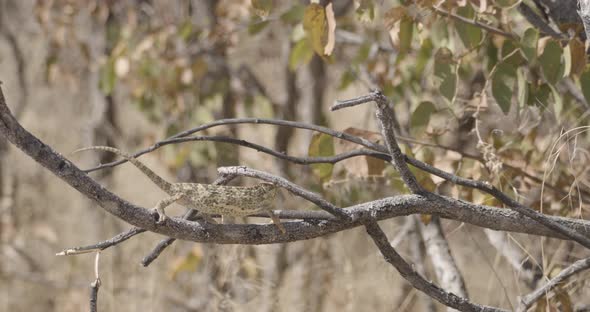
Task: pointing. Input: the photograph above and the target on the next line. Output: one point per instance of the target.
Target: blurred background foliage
(477, 90)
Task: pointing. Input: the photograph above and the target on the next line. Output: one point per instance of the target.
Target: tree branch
(493, 218)
(475, 23)
(530, 299)
(437, 246)
(417, 281)
(385, 117)
(538, 22)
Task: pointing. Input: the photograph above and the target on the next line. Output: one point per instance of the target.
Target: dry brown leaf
(363, 166)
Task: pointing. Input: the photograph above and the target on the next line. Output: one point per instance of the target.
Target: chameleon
(233, 201)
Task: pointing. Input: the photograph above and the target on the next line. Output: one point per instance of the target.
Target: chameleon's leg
(276, 221)
(165, 203)
(225, 219)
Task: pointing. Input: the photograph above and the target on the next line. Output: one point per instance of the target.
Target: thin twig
(181, 137)
(417, 281)
(102, 245)
(576, 267)
(233, 121)
(475, 23)
(95, 286)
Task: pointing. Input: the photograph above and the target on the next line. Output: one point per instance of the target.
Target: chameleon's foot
(277, 222)
(161, 216)
(165, 203)
(281, 228)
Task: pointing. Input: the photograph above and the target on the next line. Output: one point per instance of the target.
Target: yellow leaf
(321, 145)
(425, 218)
(188, 263)
(314, 24)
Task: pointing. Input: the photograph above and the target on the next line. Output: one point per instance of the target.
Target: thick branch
(489, 217)
(582, 239)
(437, 246)
(417, 281)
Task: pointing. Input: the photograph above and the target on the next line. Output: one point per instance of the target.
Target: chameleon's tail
(163, 184)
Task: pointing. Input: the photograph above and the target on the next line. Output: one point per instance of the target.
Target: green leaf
(446, 70)
(346, 79)
(523, 87)
(294, 14)
(539, 96)
(585, 83)
(503, 84)
(528, 44)
(108, 77)
(315, 26)
(551, 62)
(423, 56)
(515, 58)
(505, 3)
(300, 54)
(321, 145)
(257, 26)
(362, 54)
(470, 35)
(406, 30)
(421, 117)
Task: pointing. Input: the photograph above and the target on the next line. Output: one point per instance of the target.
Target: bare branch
(232, 121)
(538, 22)
(385, 117)
(447, 272)
(475, 23)
(417, 281)
(530, 299)
(489, 217)
(102, 245)
(485, 186)
(183, 137)
(94, 286)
